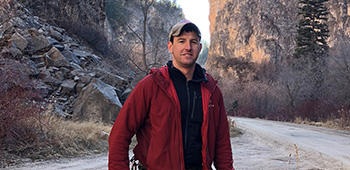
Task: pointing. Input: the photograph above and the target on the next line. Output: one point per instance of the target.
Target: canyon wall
(265, 30)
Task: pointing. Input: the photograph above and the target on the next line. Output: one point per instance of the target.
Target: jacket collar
(161, 75)
(198, 75)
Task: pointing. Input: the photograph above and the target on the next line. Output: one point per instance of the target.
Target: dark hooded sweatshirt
(190, 97)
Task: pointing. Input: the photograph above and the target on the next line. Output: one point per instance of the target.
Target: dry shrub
(234, 130)
(315, 110)
(20, 107)
(344, 121)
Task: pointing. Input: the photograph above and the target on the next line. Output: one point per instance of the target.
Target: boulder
(19, 41)
(37, 43)
(58, 59)
(68, 87)
(70, 57)
(98, 101)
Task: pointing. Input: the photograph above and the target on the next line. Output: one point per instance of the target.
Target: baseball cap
(176, 30)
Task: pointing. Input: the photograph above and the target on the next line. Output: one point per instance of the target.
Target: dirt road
(95, 162)
(278, 145)
(265, 145)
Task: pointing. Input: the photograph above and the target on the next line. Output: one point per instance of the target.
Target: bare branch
(133, 31)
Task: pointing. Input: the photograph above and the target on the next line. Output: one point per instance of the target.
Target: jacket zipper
(188, 112)
(194, 103)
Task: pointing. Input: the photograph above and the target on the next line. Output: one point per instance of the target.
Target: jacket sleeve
(129, 119)
(223, 151)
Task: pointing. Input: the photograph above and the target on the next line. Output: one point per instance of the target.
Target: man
(177, 113)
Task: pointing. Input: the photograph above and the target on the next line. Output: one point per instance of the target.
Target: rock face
(265, 30)
(161, 16)
(97, 102)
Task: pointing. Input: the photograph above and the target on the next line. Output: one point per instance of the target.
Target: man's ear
(170, 46)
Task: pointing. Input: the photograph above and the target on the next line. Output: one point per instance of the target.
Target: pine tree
(312, 30)
(312, 48)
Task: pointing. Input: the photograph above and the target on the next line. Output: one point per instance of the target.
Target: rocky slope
(85, 19)
(265, 30)
(73, 77)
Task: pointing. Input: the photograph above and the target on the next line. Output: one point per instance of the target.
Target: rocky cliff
(161, 16)
(265, 30)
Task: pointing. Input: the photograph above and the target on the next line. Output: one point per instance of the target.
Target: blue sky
(197, 11)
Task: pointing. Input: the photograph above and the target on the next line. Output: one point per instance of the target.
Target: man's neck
(187, 72)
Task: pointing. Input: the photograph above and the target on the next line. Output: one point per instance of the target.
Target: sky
(197, 11)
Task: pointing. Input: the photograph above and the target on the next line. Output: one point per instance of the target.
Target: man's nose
(188, 45)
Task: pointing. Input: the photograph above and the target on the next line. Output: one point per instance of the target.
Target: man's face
(185, 49)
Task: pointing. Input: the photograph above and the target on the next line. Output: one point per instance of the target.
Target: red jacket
(152, 112)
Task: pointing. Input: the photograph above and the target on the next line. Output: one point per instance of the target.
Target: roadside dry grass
(331, 123)
(342, 122)
(75, 138)
(58, 138)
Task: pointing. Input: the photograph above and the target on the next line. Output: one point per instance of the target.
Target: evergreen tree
(312, 48)
(312, 30)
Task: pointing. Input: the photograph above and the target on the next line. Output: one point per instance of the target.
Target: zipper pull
(210, 105)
